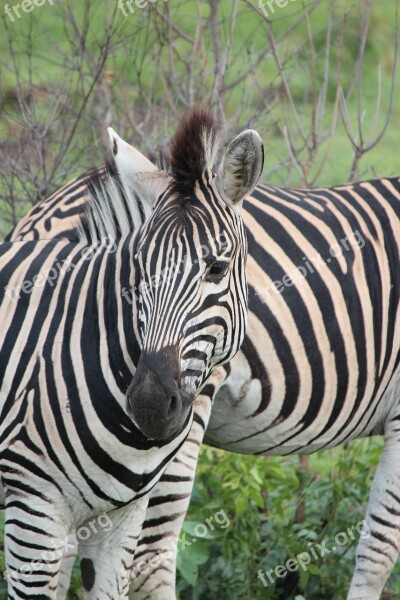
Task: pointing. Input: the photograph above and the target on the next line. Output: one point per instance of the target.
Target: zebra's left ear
(241, 167)
(135, 170)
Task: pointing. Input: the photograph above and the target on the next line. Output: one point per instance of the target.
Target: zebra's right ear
(136, 171)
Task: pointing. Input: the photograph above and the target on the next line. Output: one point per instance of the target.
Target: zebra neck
(118, 314)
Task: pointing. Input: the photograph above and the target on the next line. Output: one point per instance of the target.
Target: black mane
(193, 149)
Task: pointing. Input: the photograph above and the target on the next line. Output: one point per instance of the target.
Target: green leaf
(200, 530)
(190, 558)
(313, 569)
(241, 504)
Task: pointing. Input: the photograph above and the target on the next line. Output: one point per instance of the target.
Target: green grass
(46, 69)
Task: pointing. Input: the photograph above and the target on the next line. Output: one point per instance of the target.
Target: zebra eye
(217, 270)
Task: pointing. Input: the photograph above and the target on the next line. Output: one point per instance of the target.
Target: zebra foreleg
(106, 556)
(35, 540)
(154, 569)
(153, 572)
(379, 544)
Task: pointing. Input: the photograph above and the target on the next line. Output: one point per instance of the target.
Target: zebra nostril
(174, 406)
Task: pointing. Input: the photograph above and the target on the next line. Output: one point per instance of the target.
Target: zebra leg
(379, 544)
(35, 539)
(154, 569)
(107, 547)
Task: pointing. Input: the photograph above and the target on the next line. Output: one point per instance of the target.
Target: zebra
(97, 386)
(319, 364)
(42, 221)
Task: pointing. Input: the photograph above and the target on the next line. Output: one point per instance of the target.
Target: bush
(278, 509)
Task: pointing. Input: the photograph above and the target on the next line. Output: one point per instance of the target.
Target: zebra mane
(194, 148)
(112, 210)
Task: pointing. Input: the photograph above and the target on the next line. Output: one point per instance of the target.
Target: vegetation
(317, 82)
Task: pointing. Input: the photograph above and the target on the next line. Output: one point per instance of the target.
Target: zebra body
(83, 435)
(324, 368)
(319, 364)
(44, 218)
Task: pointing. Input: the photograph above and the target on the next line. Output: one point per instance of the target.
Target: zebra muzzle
(155, 402)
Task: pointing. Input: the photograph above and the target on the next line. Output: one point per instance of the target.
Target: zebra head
(191, 256)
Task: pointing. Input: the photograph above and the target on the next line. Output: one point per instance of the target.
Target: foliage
(290, 77)
(262, 497)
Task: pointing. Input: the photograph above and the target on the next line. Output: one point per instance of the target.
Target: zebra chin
(155, 401)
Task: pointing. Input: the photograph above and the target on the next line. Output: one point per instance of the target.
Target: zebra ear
(241, 167)
(136, 171)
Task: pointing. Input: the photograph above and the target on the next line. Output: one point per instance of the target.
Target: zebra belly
(237, 426)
